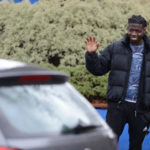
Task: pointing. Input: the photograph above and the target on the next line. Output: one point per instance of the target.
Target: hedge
(53, 32)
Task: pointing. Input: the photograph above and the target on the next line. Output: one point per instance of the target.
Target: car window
(46, 108)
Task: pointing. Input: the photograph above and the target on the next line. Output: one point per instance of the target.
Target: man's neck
(138, 44)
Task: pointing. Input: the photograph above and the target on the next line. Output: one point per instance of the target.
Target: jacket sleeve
(99, 64)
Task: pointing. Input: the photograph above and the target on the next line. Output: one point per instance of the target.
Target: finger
(87, 38)
(94, 38)
(97, 44)
(90, 38)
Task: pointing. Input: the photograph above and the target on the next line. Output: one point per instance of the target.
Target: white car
(41, 110)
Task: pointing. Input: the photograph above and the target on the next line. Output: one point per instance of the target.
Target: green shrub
(90, 86)
(53, 32)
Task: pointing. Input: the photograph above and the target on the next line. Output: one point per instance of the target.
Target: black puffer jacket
(117, 58)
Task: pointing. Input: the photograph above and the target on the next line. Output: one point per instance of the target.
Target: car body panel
(94, 140)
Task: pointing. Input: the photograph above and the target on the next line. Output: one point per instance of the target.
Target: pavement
(124, 139)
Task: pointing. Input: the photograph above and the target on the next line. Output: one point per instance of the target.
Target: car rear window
(46, 108)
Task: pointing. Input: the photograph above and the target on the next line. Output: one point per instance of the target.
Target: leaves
(53, 32)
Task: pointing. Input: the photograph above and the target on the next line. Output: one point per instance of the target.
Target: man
(128, 92)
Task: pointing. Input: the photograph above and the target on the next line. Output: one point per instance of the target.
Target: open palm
(91, 44)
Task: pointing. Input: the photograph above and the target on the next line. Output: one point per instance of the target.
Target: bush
(90, 86)
(53, 32)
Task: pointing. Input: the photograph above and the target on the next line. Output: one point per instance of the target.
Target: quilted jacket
(116, 59)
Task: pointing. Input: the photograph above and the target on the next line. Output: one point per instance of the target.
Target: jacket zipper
(127, 77)
(141, 76)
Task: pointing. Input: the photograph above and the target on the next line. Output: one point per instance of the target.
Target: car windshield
(46, 108)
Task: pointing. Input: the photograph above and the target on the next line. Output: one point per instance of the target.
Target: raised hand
(91, 44)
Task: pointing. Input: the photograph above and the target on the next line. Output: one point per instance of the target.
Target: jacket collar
(125, 40)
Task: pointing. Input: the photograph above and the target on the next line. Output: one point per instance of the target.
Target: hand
(91, 44)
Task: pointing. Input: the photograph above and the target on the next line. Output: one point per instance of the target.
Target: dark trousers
(119, 114)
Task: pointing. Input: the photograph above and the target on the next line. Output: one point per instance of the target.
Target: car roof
(12, 71)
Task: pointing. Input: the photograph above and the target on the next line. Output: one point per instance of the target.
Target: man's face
(135, 33)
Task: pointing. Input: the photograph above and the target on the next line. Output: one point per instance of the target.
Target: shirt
(135, 71)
